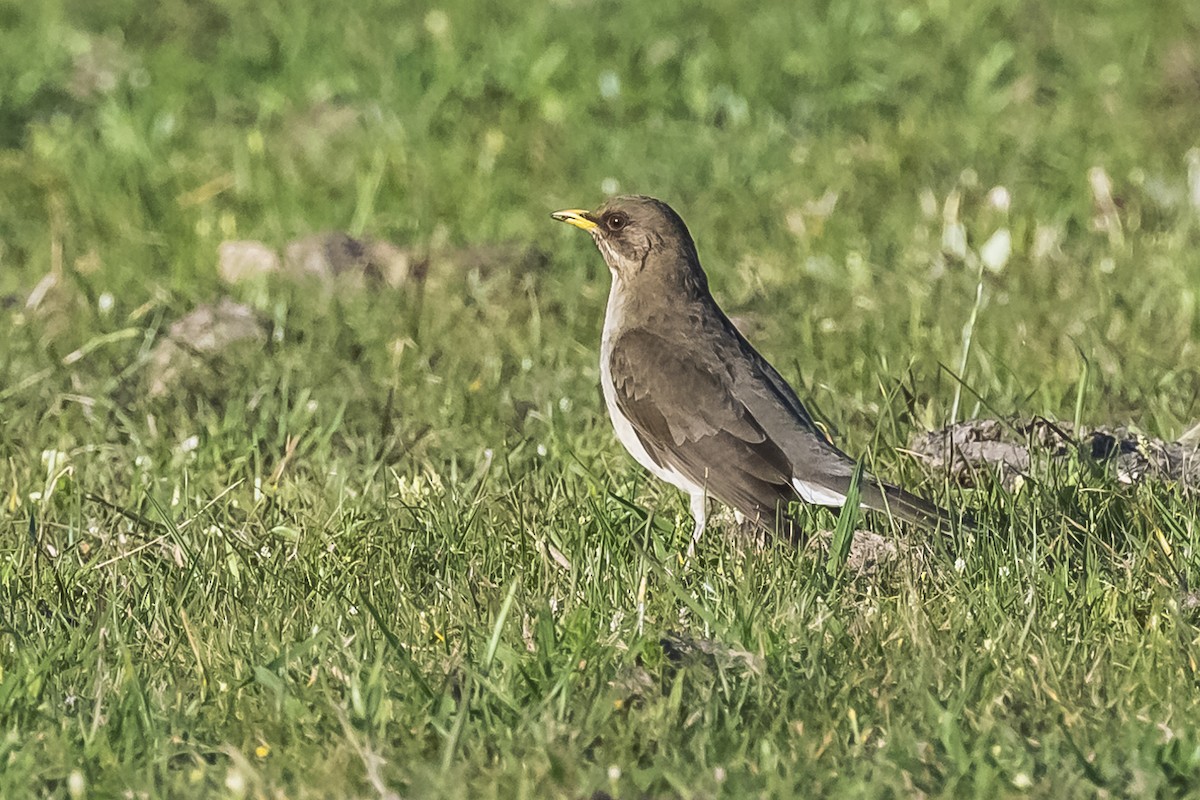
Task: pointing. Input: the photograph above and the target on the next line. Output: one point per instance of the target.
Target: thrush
(693, 402)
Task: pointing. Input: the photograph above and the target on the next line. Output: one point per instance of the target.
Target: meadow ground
(388, 546)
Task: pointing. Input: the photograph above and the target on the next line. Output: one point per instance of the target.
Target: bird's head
(639, 237)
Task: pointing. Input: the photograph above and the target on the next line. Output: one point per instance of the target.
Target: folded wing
(688, 421)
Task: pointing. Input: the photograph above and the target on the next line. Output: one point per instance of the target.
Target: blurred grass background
(242, 627)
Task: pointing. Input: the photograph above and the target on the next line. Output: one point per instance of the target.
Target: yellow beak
(575, 216)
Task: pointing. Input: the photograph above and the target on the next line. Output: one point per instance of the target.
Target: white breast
(626, 435)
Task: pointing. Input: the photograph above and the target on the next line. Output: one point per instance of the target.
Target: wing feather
(688, 421)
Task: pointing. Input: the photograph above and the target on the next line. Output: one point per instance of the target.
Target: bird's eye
(616, 221)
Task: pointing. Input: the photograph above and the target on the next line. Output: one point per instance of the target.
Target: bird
(694, 403)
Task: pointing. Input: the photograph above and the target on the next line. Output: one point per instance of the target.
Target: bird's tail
(911, 508)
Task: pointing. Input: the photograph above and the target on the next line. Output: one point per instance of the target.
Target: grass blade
(843, 531)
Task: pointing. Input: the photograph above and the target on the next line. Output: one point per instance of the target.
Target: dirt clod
(869, 553)
(241, 261)
(327, 257)
(971, 452)
(683, 648)
(196, 340)
(337, 255)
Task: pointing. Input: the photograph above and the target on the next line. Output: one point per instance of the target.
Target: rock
(240, 261)
(1010, 448)
(961, 450)
(198, 339)
(1136, 457)
(328, 257)
(211, 328)
(335, 254)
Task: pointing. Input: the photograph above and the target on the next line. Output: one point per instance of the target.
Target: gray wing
(814, 459)
(688, 421)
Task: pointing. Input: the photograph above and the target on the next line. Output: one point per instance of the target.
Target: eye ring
(616, 221)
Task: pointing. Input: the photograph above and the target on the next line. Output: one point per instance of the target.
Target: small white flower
(719, 775)
(235, 782)
(996, 250)
(959, 565)
(311, 406)
(53, 459)
(437, 23)
(614, 773)
(954, 240)
(76, 785)
(105, 303)
(564, 404)
(189, 444)
(999, 199)
(610, 84)
(954, 234)
(541, 450)
(928, 202)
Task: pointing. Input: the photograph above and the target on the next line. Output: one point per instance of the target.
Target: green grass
(457, 584)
